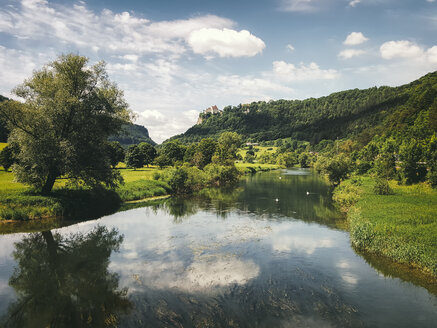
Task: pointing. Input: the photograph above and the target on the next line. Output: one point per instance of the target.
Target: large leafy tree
(69, 110)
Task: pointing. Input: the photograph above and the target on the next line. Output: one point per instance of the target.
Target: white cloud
(432, 55)
(400, 49)
(350, 53)
(290, 47)
(355, 38)
(106, 31)
(225, 42)
(18, 65)
(290, 72)
(353, 3)
(299, 5)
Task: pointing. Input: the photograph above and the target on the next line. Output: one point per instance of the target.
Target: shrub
(382, 187)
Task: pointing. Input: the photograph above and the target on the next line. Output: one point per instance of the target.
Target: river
(269, 253)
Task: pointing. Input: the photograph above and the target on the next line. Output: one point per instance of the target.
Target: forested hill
(357, 114)
(133, 134)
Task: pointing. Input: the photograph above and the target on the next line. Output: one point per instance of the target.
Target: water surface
(265, 254)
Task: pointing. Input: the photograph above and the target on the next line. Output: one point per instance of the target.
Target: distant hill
(133, 134)
(356, 114)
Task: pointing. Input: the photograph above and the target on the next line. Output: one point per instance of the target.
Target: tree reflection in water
(63, 281)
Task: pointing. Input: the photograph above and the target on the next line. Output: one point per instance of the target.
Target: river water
(266, 254)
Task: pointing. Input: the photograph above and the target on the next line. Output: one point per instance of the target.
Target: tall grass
(401, 226)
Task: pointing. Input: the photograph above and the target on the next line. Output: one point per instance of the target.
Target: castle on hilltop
(213, 110)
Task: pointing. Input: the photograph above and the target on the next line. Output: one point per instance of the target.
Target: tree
(148, 153)
(115, 153)
(204, 152)
(337, 168)
(134, 157)
(173, 151)
(7, 157)
(228, 144)
(411, 154)
(69, 111)
(304, 160)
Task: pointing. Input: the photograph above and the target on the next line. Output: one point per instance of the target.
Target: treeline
(192, 167)
(353, 114)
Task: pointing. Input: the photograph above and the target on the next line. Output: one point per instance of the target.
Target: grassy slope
(402, 226)
(261, 149)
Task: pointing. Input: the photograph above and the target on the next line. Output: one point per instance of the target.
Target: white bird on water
(277, 199)
(308, 192)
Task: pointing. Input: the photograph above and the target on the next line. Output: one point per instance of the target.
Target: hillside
(357, 114)
(133, 134)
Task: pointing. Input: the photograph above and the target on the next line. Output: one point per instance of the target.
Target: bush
(346, 195)
(382, 187)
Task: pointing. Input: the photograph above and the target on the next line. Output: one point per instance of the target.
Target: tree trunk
(48, 185)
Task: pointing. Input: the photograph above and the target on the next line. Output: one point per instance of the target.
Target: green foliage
(411, 154)
(304, 160)
(69, 111)
(382, 187)
(357, 114)
(140, 189)
(115, 152)
(287, 159)
(172, 152)
(148, 153)
(228, 144)
(134, 157)
(336, 168)
(187, 179)
(7, 157)
(221, 175)
(385, 166)
(204, 152)
(346, 195)
(250, 157)
(401, 226)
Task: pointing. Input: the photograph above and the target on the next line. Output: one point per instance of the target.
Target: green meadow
(20, 202)
(401, 226)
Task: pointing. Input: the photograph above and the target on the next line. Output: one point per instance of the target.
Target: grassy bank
(401, 226)
(19, 202)
(255, 167)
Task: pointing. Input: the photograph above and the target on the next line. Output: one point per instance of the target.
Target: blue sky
(174, 58)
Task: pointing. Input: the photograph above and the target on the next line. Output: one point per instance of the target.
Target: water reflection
(63, 281)
(261, 255)
(298, 194)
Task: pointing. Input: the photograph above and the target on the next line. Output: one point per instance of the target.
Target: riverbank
(401, 226)
(20, 203)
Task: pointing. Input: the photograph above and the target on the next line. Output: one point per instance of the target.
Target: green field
(248, 167)
(19, 202)
(261, 149)
(402, 226)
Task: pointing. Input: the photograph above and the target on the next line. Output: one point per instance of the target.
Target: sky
(175, 58)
